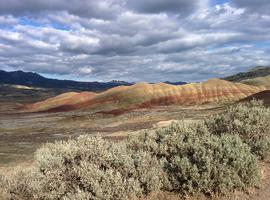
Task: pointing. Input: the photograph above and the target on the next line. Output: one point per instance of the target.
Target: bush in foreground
(196, 161)
(207, 157)
(88, 168)
(251, 121)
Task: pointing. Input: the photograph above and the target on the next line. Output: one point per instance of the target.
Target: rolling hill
(144, 95)
(251, 74)
(259, 81)
(264, 96)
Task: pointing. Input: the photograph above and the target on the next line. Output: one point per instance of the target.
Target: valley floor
(22, 133)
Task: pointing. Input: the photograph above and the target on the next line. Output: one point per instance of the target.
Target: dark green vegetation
(185, 158)
(253, 73)
(36, 80)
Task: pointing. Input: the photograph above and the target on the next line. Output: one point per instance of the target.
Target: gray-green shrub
(3, 187)
(24, 184)
(183, 157)
(196, 161)
(88, 168)
(251, 121)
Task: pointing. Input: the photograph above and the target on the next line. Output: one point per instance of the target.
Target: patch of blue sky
(219, 2)
(25, 21)
(53, 76)
(59, 26)
(36, 23)
(262, 44)
(67, 77)
(230, 48)
(239, 46)
(7, 27)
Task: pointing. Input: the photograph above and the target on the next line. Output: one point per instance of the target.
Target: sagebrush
(212, 156)
(88, 168)
(196, 161)
(251, 121)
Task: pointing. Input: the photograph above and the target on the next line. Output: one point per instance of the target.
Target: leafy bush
(196, 161)
(88, 168)
(183, 157)
(23, 184)
(3, 184)
(251, 121)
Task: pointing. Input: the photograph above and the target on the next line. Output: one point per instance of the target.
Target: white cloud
(8, 20)
(254, 6)
(86, 70)
(133, 42)
(83, 8)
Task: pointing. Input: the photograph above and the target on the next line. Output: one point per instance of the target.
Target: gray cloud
(83, 8)
(7, 20)
(257, 6)
(131, 42)
(181, 7)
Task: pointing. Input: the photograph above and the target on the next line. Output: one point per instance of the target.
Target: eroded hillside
(144, 95)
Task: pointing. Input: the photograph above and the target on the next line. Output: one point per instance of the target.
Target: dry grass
(259, 81)
(22, 134)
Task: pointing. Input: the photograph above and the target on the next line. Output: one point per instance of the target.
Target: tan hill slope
(143, 95)
(259, 81)
(63, 102)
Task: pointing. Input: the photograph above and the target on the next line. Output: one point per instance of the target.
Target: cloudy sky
(134, 40)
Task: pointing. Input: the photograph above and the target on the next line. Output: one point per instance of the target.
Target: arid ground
(22, 133)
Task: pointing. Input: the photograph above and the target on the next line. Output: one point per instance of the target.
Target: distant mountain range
(176, 83)
(35, 80)
(31, 79)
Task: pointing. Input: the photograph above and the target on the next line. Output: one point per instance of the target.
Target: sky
(134, 40)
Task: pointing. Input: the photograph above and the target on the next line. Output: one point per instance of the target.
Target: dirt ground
(22, 133)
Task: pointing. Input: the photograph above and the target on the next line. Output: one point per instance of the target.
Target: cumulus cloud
(181, 7)
(257, 6)
(7, 20)
(159, 40)
(84, 8)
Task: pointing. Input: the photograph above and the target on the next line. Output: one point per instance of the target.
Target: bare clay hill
(144, 95)
(63, 102)
(264, 96)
